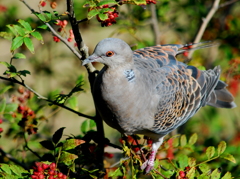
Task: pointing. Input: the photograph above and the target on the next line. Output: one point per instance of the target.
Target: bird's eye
(109, 53)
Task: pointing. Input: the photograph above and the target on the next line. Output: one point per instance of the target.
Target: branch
(44, 98)
(154, 22)
(204, 24)
(75, 52)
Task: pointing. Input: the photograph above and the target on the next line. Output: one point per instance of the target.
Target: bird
(147, 91)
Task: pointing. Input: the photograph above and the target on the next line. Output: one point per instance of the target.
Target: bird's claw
(147, 166)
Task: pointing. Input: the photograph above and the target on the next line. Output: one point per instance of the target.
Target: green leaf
(37, 35)
(183, 160)
(11, 107)
(57, 135)
(191, 173)
(72, 143)
(92, 124)
(67, 158)
(215, 174)
(25, 24)
(47, 144)
(93, 13)
(103, 16)
(29, 44)
(11, 74)
(43, 27)
(116, 173)
(85, 126)
(106, 2)
(5, 168)
(6, 35)
(191, 162)
(229, 157)
(183, 140)
(23, 72)
(204, 168)
(227, 175)
(73, 103)
(18, 170)
(18, 56)
(221, 147)
(193, 139)
(5, 89)
(21, 31)
(210, 152)
(12, 29)
(16, 43)
(2, 105)
(6, 64)
(40, 16)
(48, 14)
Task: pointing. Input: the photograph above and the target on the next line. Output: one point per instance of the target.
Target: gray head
(111, 52)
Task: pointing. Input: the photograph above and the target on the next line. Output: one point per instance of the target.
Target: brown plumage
(149, 92)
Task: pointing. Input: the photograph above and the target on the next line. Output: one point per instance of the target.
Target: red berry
(60, 175)
(58, 22)
(45, 166)
(43, 3)
(51, 172)
(1, 121)
(182, 174)
(59, 30)
(149, 141)
(1, 130)
(64, 177)
(105, 6)
(52, 166)
(69, 39)
(39, 168)
(34, 176)
(41, 176)
(51, 177)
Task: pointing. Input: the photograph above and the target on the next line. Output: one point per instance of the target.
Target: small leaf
(29, 44)
(43, 27)
(6, 64)
(193, 139)
(11, 107)
(191, 162)
(106, 2)
(5, 89)
(12, 29)
(204, 168)
(229, 157)
(73, 103)
(116, 173)
(227, 175)
(47, 144)
(48, 14)
(183, 161)
(18, 170)
(40, 16)
(221, 147)
(92, 124)
(72, 143)
(210, 152)
(24, 72)
(85, 126)
(25, 24)
(5, 168)
(103, 17)
(18, 56)
(183, 140)
(6, 35)
(21, 31)
(93, 13)
(191, 173)
(215, 174)
(67, 158)
(37, 35)
(16, 43)
(2, 105)
(57, 135)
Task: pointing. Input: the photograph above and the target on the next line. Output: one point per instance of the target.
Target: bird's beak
(89, 59)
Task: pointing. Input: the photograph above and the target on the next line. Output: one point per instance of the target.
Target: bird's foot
(147, 166)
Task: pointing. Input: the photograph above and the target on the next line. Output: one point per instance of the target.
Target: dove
(149, 92)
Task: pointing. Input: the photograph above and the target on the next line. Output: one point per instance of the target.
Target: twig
(154, 22)
(227, 3)
(44, 98)
(26, 145)
(75, 52)
(204, 24)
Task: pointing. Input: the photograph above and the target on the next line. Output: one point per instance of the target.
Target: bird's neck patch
(129, 74)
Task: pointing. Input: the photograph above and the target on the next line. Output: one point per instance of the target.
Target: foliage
(31, 121)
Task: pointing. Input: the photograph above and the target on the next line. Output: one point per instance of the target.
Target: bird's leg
(149, 164)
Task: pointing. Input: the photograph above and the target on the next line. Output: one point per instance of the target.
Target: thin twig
(46, 99)
(26, 145)
(227, 3)
(204, 24)
(154, 22)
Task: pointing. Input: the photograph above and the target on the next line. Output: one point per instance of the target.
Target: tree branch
(44, 98)
(154, 22)
(204, 24)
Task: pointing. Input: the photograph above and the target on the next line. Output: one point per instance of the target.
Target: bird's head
(111, 52)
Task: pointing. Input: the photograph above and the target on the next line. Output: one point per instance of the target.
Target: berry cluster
(111, 17)
(63, 24)
(48, 171)
(151, 1)
(28, 120)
